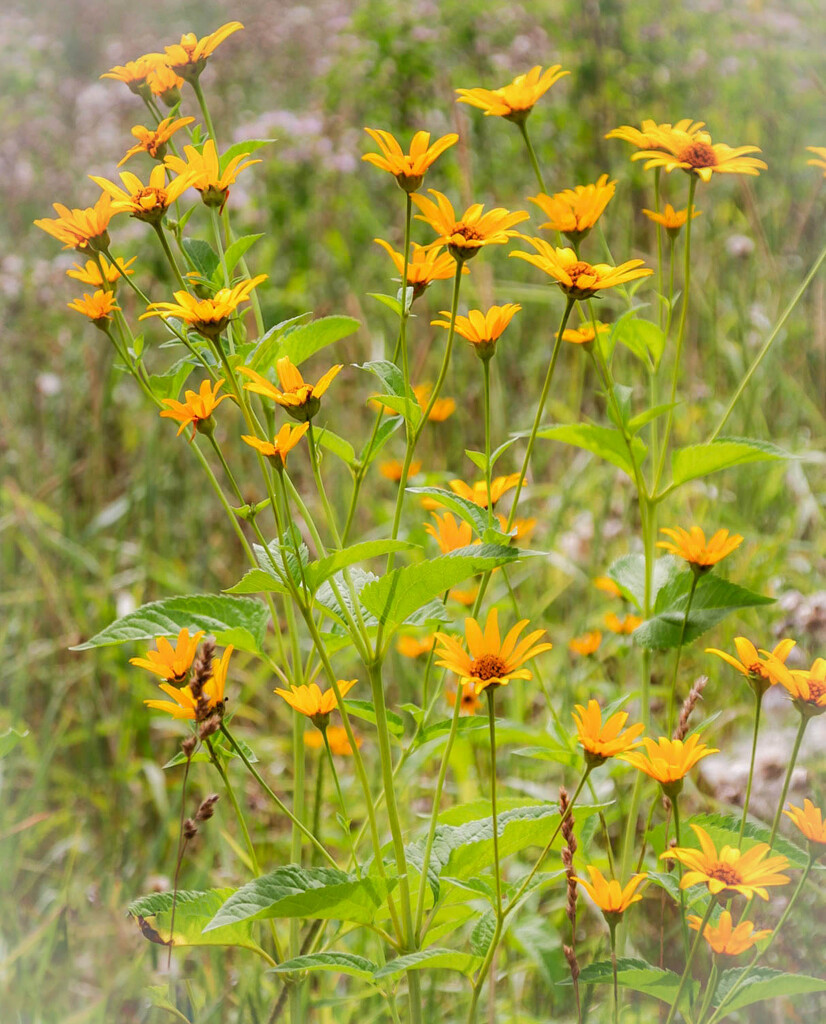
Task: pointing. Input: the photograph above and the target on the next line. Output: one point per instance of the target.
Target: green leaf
(714, 599)
(396, 596)
(477, 458)
(193, 912)
(269, 346)
(220, 746)
(338, 963)
(387, 428)
(364, 710)
(387, 300)
(389, 374)
(317, 572)
(763, 983)
(628, 572)
(306, 340)
(291, 891)
(241, 149)
(482, 934)
(433, 959)
(327, 598)
(9, 739)
(258, 581)
(467, 510)
(702, 459)
(237, 249)
(409, 408)
(169, 384)
(642, 337)
(337, 445)
(640, 976)
(605, 442)
(636, 423)
(237, 620)
(158, 996)
(203, 257)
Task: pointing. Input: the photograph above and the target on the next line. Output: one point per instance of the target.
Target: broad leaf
(431, 959)
(258, 581)
(304, 341)
(467, 510)
(640, 976)
(763, 983)
(268, 347)
(317, 572)
(628, 572)
(237, 249)
(241, 149)
(341, 448)
(202, 256)
(364, 710)
(642, 337)
(701, 459)
(337, 963)
(607, 443)
(193, 912)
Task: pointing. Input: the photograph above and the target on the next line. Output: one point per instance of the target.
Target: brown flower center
(726, 873)
(467, 232)
(817, 688)
(698, 154)
(489, 666)
(578, 269)
(150, 198)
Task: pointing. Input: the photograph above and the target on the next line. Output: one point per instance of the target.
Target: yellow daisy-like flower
(514, 101)
(809, 819)
(391, 469)
(145, 202)
(724, 938)
(464, 236)
(576, 210)
(624, 625)
(669, 761)
(208, 316)
(449, 533)
(478, 491)
(81, 229)
(336, 737)
(316, 704)
(133, 73)
(758, 670)
(491, 661)
(691, 545)
(284, 441)
(163, 82)
(605, 583)
(188, 58)
(578, 279)
(89, 273)
(413, 647)
(407, 168)
(424, 266)
(820, 152)
(204, 172)
(443, 408)
(586, 644)
(584, 335)
(603, 741)
(300, 399)
(197, 408)
(171, 663)
(185, 705)
(482, 330)
(470, 700)
(646, 137)
(730, 871)
(153, 140)
(611, 898)
(670, 219)
(97, 307)
(806, 687)
(697, 154)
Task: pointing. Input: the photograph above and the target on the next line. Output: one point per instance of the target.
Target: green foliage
(193, 913)
(607, 443)
(699, 460)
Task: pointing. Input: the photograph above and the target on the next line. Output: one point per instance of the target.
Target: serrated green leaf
(703, 459)
(628, 572)
(238, 249)
(258, 581)
(317, 572)
(326, 596)
(269, 346)
(338, 963)
(202, 256)
(763, 983)
(364, 710)
(606, 442)
(243, 617)
(169, 384)
(241, 149)
(303, 341)
(292, 891)
(193, 912)
(388, 373)
(434, 958)
(482, 934)
(469, 511)
(640, 976)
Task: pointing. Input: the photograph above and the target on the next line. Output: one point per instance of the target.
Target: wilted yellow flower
(691, 545)
(470, 700)
(587, 643)
(646, 138)
(188, 58)
(730, 871)
(723, 938)
(336, 737)
(624, 625)
(153, 140)
(300, 400)
(171, 663)
(603, 741)
(697, 154)
(464, 236)
(449, 533)
(316, 704)
(90, 273)
(203, 171)
(669, 761)
(514, 101)
(185, 703)
(81, 229)
(391, 469)
(610, 896)
(407, 168)
(491, 661)
(97, 307)
(584, 335)
(672, 220)
(819, 151)
(145, 202)
(208, 316)
(759, 671)
(482, 330)
(284, 441)
(578, 279)
(197, 409)
(424, 266)
(576, 210)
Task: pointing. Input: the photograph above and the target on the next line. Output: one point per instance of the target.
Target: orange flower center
(489, 666)
(578, 269)
(726, 873)
(467, 232)
(817, 688)
(698, 154)
(149, 198)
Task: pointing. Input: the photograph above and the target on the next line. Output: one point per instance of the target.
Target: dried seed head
(694, 695)
(209, 727)
(188, 745)
(201, 674)
(190, 829)
(207, 808)
(570, 956)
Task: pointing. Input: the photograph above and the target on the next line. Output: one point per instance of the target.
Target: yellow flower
(442, 409)
(646, 138)
(672, 220)
(133, 73)
(587, 643)
(730, 871)
(605, 583)
(603, 741)
(81, 229)
(204, 172)
(819, 151)
(806, 687)
(809, 819)
(407, 168)
(578, 279)
(336, 737)
(514, 101)
(584, 335)
(300, 400)
(284, 441)
(697, 154)
(576, 210)
(466, 235)
(208, 316)
(163, 82)
(145, 202)
(188, 58)
(482, 330)
(521, 529)
(171, 663)
(464, 597)
(153, 140)
(669, 761)
(691, 545)
(391, 469)
(185, 704)
(723, 938)
(759, 671)
(625, 625)
(425, 265)
(97, 307)
(316, 704)
(413, 647)
(470, 701)
(449, 533)
(478, 492)
(90, 273)
(197, 409)
(491, 661)
(609, 896)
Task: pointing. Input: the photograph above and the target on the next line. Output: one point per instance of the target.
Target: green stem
(672, 700)
(804, 721)
(488, 469)
(675, 805)
(216, 230)
(345, 817)
(170, 256)
(758, 704)
(613, 930)
(658, 226)
(648, 821)
(523, 128)
(199, 95)
(687, 972)
(491, 695)
(711, 988)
